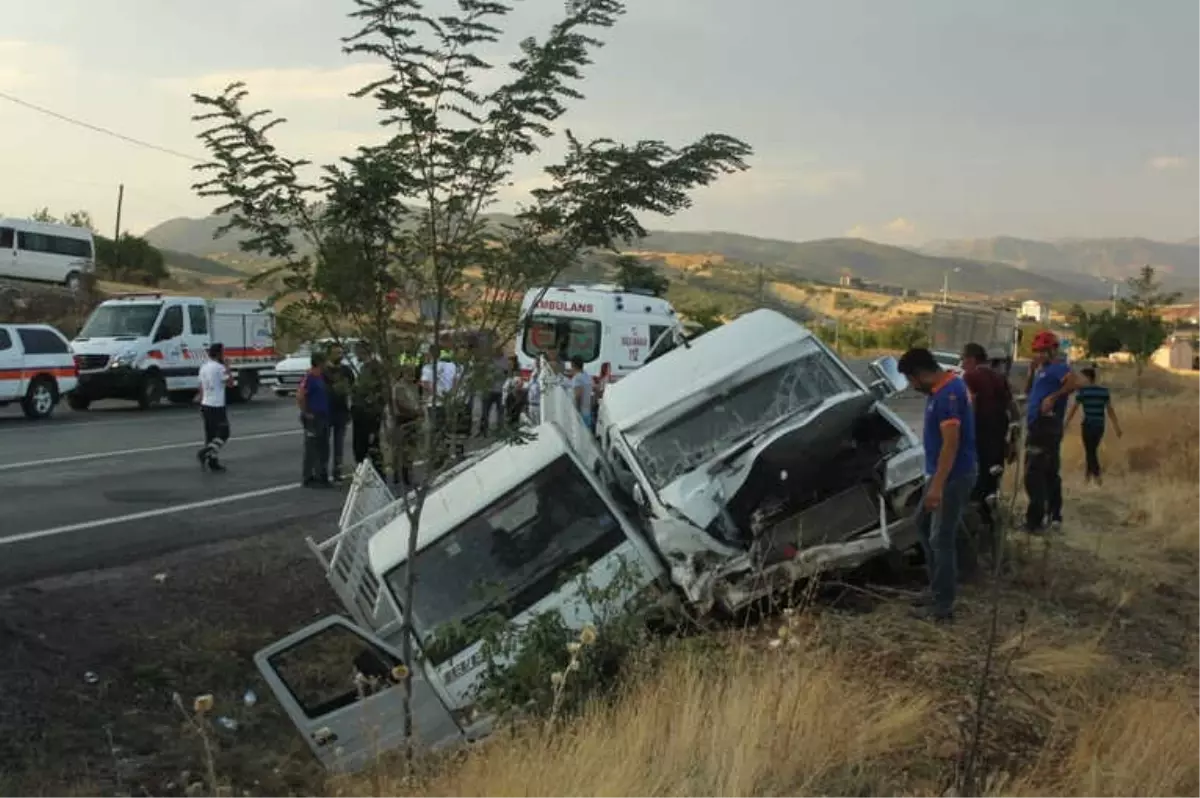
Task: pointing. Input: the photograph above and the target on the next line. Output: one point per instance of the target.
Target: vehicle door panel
(167, 348)
(634, 346)
(195, 341)
(322, 676)
(9, 265)
(11, 361)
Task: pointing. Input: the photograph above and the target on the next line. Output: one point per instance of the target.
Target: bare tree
(401, 227)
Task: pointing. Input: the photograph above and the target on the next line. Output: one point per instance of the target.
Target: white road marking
(78, 458)
(121, 519)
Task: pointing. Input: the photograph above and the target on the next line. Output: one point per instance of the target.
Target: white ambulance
(613, 330)
(147, 347)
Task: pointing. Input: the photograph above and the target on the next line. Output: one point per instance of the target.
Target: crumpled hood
(800, 448)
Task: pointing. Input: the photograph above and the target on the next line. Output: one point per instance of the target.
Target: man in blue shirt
(1051, 382)
(1096, 403)
(313, 398)
(951, 469)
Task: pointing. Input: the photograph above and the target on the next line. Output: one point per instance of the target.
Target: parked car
(52, 253)
(36, 368)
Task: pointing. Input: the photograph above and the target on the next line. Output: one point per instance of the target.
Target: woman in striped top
(1097, 404)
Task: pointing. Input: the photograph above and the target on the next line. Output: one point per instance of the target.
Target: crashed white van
(756, 458)
(509, 530)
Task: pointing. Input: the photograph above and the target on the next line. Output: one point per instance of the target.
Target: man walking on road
(995, 410)
(1051, 382)
(951, 469)
(213, 379)
(313, 398)
(340, 378)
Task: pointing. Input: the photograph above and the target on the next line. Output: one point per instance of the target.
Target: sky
(902, 122)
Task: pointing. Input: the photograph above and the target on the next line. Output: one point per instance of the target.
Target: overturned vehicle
(724, 470)
(755, 457)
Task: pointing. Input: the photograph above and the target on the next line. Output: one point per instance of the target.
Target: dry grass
(1096, 693)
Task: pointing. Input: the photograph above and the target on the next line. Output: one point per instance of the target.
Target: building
(1033, 310)
(1176, 353)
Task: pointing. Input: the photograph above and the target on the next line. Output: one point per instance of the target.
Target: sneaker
(215, 466)
(1055, 524)
(201, 457)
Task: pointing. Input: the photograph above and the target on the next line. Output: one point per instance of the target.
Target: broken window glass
(740, 412)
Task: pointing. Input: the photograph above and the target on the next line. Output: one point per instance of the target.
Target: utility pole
(945, 286)
(1113, 304)
(117, 231)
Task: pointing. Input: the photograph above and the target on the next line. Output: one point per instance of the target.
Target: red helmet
(1044, 340)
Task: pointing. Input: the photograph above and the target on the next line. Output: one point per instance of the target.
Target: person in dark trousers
(995, 410)
(1096, 403)
(214, 378)
(493, 397)
(313, 398)
(367, 402)
(1051, 382)
(340, 378)
(951, 470)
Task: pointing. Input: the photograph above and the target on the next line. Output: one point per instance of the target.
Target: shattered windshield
(741, 411)
(120, 321)
(512, 554)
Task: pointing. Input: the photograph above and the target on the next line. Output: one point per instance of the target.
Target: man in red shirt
(995, 411)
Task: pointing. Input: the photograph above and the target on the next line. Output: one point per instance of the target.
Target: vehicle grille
(288, 379)
(91, 362)
(836, 519)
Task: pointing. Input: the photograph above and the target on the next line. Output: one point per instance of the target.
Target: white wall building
(1034, 310)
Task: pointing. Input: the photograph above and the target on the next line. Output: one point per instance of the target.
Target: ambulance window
(568, 337)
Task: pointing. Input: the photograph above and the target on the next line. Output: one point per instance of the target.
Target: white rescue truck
(752, 451)
(613, 330)
(147, 347)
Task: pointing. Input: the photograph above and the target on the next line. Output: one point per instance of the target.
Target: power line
(98, 129)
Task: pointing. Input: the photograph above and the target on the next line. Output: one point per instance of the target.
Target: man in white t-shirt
(213, 379)
(439, 377)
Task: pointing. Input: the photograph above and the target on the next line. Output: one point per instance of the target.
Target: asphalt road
(115, 484)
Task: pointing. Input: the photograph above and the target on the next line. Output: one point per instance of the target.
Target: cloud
(275, 85)
(1163, 163)
(767, 179)
(22, 62)
(898, 231)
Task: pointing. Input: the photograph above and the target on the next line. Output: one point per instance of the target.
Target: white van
(51, 253)
(36, 368)
(613, 330)
(147, 347)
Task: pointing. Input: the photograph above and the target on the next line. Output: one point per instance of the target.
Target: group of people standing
(969, 437)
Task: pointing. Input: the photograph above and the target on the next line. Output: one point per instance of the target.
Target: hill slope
(1112, 258)
(825, 260)
(828, 259)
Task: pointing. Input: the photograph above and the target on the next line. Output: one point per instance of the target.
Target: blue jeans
(938, 534)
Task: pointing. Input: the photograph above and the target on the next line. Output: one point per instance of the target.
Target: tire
(181, 397)
(152, 392)
(78, 401)
(40, 399)
(74, 282)
(246, 388)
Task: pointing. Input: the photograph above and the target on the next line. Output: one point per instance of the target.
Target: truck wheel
(73, 282)
(247, 387)
(181, 397)
(153, 390)
(40, 399)
(78, 401)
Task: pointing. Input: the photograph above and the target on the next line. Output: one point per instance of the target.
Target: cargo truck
(953, 326)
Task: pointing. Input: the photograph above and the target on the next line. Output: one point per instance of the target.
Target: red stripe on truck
(29, 374)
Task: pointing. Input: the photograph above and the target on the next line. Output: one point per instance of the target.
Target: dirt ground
(90, 664)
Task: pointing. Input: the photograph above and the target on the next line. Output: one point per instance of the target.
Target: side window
(333, 669)
(6, 238)
(5, 340)
(41, 342)
(72, 247)
(660, 342)
(198, 318)
(171, 325)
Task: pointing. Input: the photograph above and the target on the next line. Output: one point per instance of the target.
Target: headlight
(126, 358)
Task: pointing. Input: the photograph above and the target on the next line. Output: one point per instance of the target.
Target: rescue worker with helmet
(1051, 381)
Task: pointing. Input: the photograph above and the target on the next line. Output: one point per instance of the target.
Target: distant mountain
(828, 259)
(197, 264)
(1110, 258)
(825, 260)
